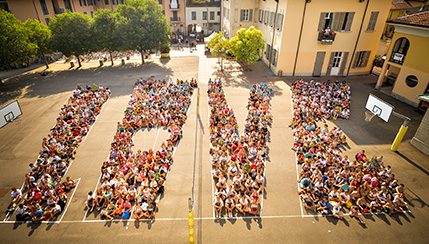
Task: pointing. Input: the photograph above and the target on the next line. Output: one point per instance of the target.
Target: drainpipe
(37, 13)
(300, 35)
(274, 34)
(358, 37)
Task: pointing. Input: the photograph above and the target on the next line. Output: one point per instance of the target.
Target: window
(106, 2)
(67, 5)
(84, 2)
(204, 15)
(160, 1)
(268, 52)
(92, 14)
(218, 13)
(4, 6)
(85, 13)
(212, 15)
(266, 17)
(274, 57)
(411, 81)
(44, 8)
(279, 22)
(47, 21)
(114, 2)
(361, 59)
(372, 21)
(90, 2)
(175, 16)
(194, 15)
(260, 15)
(80, 3)
(271, 23)
(246, 15)
(338, 21)
(400, 50)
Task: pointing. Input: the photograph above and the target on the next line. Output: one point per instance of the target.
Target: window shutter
(356, 60)
(343, 63)
(338, 21)
(372, 21)
(365, 58)
(331, 60)
(251, 15)
(241, 14)
(349, 21)
(321, 21)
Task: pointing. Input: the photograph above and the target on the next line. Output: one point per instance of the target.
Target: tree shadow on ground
(32, 84)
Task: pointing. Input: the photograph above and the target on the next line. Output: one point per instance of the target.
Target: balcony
(326, 38)
(174, 5)
(172, 19)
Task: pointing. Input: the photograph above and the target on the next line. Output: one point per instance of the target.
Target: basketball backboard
(379, 107)
(9, 112)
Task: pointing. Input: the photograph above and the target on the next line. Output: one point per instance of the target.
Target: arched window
(400, 50)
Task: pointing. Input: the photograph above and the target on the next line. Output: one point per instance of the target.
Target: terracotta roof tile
(418, 19)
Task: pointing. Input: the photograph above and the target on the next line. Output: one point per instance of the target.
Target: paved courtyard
(283, 219)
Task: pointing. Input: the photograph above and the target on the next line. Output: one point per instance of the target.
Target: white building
(208, 17)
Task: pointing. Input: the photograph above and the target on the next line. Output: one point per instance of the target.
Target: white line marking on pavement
(69, 201)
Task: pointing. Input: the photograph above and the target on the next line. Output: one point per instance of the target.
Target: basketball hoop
(369, 115)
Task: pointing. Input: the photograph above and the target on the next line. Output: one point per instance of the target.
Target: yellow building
(297, 38)
(407, 64)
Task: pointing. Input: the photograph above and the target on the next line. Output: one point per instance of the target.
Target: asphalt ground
(282, 221)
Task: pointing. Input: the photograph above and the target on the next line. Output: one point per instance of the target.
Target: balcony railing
(172, 19)
(174, 6)
(326, 38)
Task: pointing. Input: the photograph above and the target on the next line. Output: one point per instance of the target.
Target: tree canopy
(39, 34)
(219, 47)
(143, 25)
(104, 32)
(70, 34)
(15, 43)
(247, 44)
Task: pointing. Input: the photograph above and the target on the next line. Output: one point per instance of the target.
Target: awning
(207, 39)
(424, 97)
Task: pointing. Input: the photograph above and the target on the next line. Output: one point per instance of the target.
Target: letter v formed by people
(152, 104)
(240, 158)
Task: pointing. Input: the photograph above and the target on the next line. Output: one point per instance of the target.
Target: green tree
(247, 44)
(143, 25)
(219, 47)
(104, 32)
(15, 45)
(39, 34)
(70, 34)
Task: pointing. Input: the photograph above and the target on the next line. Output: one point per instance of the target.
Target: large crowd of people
(44, 194)
(238, 161)
(135, 179)
(328, 179)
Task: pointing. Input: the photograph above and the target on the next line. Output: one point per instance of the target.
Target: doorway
(336, 63)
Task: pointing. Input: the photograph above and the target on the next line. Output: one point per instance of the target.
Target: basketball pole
(401, 132)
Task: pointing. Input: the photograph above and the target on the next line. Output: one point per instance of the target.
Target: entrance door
(336, 63)
(317, 70)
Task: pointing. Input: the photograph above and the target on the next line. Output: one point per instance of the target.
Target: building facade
(407, 67)
(312, 38)
(174, 10)
(205, 14)
(42, 10)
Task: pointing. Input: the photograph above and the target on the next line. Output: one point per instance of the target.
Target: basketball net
(368, 116)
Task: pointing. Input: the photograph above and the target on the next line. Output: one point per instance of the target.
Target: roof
(418, 19)
(398, 5)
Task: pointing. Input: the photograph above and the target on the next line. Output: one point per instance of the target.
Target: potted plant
(165, 51)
